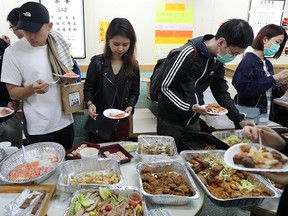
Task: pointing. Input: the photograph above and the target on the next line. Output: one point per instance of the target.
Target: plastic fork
(25, 155)
(260, 140)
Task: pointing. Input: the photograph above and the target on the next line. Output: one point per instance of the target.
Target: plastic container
(73, 153)
(89, 152)
(87, 166)
(116, 151)
(154, 147)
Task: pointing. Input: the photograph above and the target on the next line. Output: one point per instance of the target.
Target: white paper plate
(65, 76)
(285, 135)
(228, 158)
(215, 114)
(11, 112)
(110, 112)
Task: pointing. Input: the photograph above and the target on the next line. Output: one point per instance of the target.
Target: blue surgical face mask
(226, 58)
(272, 50)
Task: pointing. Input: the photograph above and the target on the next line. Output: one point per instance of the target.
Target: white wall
(208, 16)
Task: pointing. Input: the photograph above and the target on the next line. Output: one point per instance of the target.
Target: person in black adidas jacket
(186, 78)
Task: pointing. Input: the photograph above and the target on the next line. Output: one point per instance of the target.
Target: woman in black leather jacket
(113, 78)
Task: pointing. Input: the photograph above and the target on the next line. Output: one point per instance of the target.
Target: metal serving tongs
(25, 155)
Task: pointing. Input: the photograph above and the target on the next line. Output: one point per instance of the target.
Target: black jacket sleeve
(219, 88)
(92, 83)
(134, 90)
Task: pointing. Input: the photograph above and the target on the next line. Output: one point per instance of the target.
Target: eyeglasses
(12, 26)
(232, 53)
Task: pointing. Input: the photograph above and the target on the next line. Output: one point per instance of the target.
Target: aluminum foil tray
(97, 165)
(33, 150)
(123, 190)
(230, 202)
(221, 135)
(201, 141)
(155, 141)
(168, 199)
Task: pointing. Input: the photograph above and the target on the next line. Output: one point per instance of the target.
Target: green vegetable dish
(104, 202)
(130, 147)
(234, 139)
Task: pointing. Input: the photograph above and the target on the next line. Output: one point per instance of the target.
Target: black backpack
(158, 73)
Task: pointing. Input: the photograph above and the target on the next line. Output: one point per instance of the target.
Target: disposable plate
(4, 117)
(228, 158)
(216, 114)
(65, 76)
(112, 113)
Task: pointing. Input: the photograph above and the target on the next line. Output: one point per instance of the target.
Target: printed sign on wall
(174, 26)
(264, 12)
(68, 19)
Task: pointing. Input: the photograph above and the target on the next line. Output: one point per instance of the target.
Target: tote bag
(72, 97)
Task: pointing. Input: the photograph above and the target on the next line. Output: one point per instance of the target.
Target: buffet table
(130, 179)
(60, 201)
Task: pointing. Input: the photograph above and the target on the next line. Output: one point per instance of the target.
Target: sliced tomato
(108, 208)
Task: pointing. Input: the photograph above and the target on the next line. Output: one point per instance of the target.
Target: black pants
(64, 136)
(176, 131)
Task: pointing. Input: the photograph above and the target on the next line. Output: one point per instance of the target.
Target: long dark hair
(123, 27)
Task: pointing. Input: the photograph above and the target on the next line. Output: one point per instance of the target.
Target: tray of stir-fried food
(224, 185)
(231, 137)
(109, 201)
(80, 174)
(166, 182)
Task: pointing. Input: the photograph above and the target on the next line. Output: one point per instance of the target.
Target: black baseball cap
(32, 16)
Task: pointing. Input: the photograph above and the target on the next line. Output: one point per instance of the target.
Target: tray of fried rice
(87, 173)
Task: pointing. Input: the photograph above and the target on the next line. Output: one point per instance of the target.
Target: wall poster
(174, 26)
(68, 19)
(264, 12)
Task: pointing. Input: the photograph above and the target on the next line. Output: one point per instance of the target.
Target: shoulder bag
(251, 113)
(101, 127)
